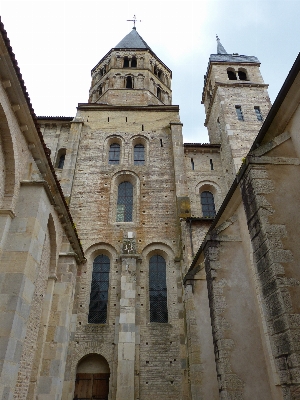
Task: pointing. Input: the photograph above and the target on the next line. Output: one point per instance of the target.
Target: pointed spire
(220, 48)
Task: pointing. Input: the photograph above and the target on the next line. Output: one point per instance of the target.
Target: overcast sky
(58, 42)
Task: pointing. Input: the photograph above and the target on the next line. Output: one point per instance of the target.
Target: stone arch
(8, 160)
(93, 362)
(119, 177)
(140, 139)
(111, 139)
(243, 74)
(82, 353)
(211, 187)
(231, 74)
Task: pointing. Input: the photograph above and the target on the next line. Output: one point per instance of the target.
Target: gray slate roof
(132, 41)
(232, 58)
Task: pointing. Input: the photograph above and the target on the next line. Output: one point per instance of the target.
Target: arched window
(133, 62)
(208, 205)
(126, 62)
(129, 82)
(100, 89)
(231, 75)
(139, 154)
(158, 289)
(60, 161)
(242, 75)
(99, 290)
(114, 154)
(125, 202)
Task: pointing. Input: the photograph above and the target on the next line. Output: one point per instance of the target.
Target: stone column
(127, 324)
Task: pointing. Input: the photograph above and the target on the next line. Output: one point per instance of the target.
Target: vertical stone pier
(127, 324)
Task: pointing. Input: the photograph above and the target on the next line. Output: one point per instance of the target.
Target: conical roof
(220, 48)
(132, 41)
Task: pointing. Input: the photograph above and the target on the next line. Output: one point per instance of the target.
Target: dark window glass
(158, 289)
(133, 62)
(231, 75)
(129, 82)
(125, 202)
(208, 205)
(159, 93)
(242, 75)
(114, 154)
(139, 154)
(258, 114)
(126, 62)
(99, 290)
(61, 161)
(239, 113)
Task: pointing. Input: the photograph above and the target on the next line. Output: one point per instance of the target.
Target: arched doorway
(92, 378)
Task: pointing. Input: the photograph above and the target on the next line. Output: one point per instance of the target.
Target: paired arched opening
(241, 73)
(92, 378)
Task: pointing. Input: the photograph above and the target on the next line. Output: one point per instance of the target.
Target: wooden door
(91, 387)
(100, 386)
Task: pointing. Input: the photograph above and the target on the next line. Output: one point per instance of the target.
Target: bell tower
(236, 102)
(131, 74)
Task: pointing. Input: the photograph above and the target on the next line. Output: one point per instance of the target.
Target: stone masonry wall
(277, 273)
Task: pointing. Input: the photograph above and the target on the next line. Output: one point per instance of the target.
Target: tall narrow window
(158, 289)
(192, 164)
(99, 290)
(211, 164)
(61, 156)
(208, 205)
(239, 113)
(126, 62)
(114, 154)
(159, 93)
(125, 202)
(129, 82)
(258, 113)
(133, 62)
(139, 154)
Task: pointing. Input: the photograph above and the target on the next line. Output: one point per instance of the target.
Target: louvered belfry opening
(99, 290)
(158, 289)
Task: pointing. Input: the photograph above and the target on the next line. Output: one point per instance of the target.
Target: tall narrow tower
(236, 102)
(126, 184)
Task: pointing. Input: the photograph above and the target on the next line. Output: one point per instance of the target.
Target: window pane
(139, 154)
(114, 154)
(125, 202)
(158, 290)
(208, 205)
(99, 290)
(239, 113)
(258, 114)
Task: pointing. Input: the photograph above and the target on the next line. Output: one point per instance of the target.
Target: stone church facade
(134, 265)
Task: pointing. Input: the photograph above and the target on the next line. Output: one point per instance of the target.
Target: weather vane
(134, 20)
